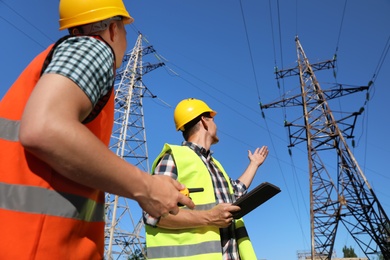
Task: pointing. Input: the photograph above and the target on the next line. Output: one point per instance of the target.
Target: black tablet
(255, 198)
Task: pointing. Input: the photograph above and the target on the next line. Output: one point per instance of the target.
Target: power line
(341, 26)
(22, 32)
(295, 210)
(250, 50)
(24, 19)
(381, 60)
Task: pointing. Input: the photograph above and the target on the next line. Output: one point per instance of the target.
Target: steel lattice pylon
(349, 201)
(123, 232)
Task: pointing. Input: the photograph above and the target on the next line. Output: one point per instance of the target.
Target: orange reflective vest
(44, 215)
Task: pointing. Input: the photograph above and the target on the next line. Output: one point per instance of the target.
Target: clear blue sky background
(225, 55)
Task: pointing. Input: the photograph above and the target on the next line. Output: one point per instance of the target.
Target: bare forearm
(255, 160)
(81, 157)
(73, 151)
(185, 219)
(249, 174)
(219, 216)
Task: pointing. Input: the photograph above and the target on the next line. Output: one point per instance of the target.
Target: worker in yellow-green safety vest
(209, 231)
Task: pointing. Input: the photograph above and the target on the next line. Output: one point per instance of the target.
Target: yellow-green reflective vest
(194, 243)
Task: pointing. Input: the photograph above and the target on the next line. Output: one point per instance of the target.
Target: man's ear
(113, 30)
(203, 121)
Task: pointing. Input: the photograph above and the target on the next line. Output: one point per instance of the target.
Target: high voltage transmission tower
(128, 141)
(348, 199)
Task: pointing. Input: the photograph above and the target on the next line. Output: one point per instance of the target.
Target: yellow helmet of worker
(74, 13)
(189, 109)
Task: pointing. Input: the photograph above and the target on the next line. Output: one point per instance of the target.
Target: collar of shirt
(199, 150)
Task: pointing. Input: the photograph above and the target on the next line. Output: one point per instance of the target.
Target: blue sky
(224, 52)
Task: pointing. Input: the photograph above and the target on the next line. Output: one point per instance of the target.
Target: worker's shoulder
(176, 147)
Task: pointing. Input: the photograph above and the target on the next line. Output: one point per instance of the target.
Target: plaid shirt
(166, 166)
(87, 62)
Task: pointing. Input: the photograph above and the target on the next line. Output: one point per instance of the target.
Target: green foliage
(349, 252)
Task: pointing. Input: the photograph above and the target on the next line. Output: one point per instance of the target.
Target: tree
(349, 252)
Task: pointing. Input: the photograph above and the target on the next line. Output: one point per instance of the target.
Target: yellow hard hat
(74, 13)
(189, 109)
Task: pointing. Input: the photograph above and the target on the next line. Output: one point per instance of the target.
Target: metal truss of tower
(128, 141)
(350, 201)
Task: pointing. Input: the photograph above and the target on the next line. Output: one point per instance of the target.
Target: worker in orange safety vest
(55, 127)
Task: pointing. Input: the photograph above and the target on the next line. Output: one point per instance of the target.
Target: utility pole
(350, 200)
(128, 141)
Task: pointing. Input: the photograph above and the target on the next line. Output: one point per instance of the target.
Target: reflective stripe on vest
(209, 247)
(9, 129)
(38, 200)
(204, 206)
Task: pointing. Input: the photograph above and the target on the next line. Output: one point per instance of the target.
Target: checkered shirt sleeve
(88, 62)
(167, 167)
